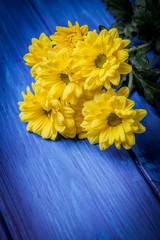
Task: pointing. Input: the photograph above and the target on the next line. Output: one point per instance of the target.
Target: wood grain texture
(5, 233)
(66, 189)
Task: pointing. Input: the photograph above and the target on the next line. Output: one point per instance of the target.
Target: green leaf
(152, 75)
(139, 60)
(145, 79)
(122, 10)
(147, 86)
(146, 21)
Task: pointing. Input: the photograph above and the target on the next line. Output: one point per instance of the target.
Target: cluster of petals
(70, 69)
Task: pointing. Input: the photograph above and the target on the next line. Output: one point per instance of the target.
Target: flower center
(65, 78)
(114, 120)
(47, 112)
(100, 60)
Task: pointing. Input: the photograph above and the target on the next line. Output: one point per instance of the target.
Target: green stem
(130, 84)
(139, 47)
(123, 33)
(152, 61)
(147, 49)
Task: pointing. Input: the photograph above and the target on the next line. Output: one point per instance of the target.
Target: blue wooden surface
(67, 189)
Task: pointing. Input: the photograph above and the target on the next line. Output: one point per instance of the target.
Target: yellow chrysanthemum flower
(109, 118)
(67, 95)
(57, 77)
(46, 116)
(38, 52)
(67, 37)
(100, 59)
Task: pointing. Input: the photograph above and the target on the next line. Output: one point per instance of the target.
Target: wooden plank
(66, 189)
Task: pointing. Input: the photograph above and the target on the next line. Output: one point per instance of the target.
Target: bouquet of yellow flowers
(75, 70)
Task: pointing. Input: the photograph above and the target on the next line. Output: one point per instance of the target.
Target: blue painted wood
(5, 233)
(153, 169)
(157, 185)
(93, 13)
(147, 147)
(66, 189)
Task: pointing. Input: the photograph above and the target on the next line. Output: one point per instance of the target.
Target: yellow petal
(117, 43)
(140, 114)
(70, 24)
(34, 41)
(60, 118)
(82, 135)
(114, 32)
(124, 68)
(104, 135)
(122, 55)
(42, 36)
(84, 29)
(53, 136)
(60, 128)
(117, 133)
(93, 140)
(129, 104)
(98, 123)
(125, 43)
(141, 128)
(70, 122)
(57, 89)
(130, 139)
(126, 126)
(116, 79)
(126, 146)
(92, 35)
(46, 131)
(122, 135)
(103, 146)
(118, 144)
(124, 91)
(68, 90)
(91, 84)
(112, 135)
(104, 33)
(78, 90)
